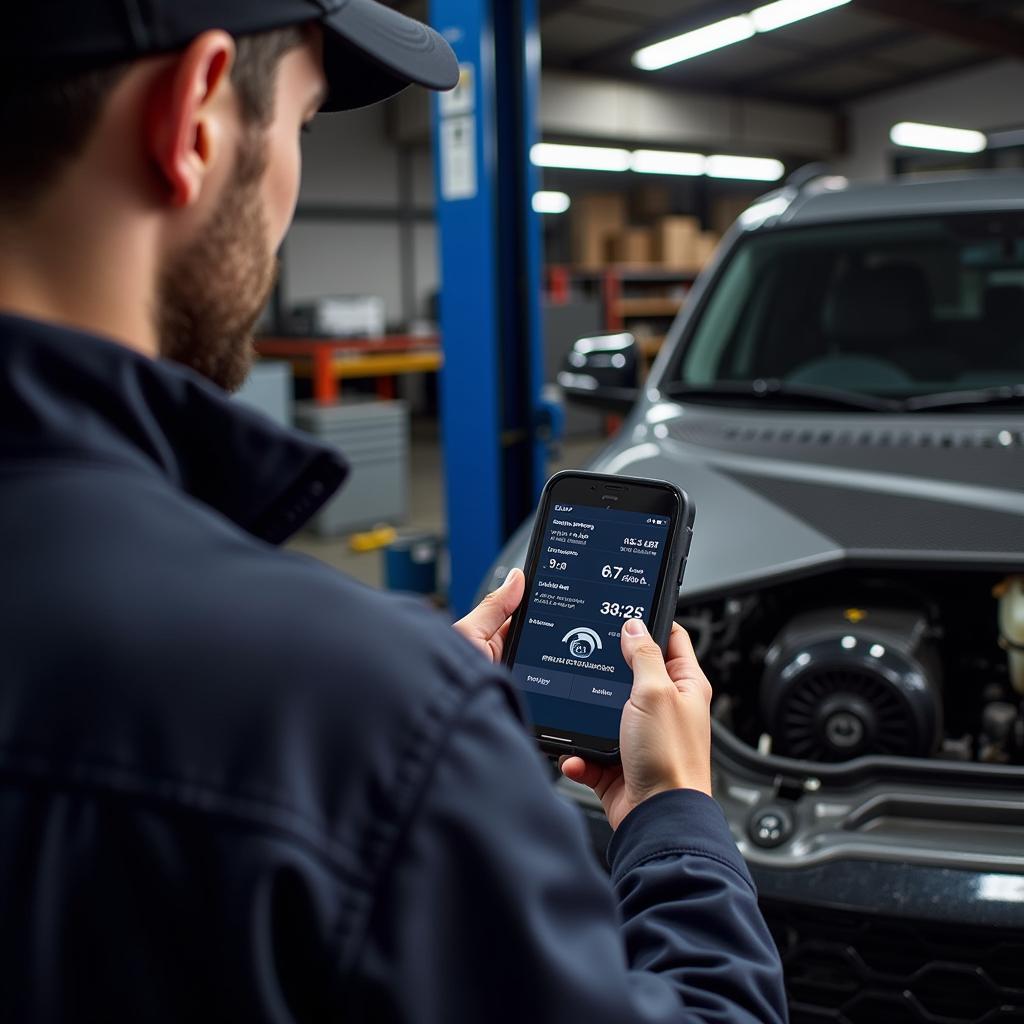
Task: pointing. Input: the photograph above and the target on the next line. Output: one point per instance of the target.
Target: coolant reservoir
(1011, 628)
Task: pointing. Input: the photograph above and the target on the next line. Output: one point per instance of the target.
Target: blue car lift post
(494, 457)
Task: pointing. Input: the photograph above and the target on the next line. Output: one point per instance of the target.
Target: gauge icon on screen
(582, 642)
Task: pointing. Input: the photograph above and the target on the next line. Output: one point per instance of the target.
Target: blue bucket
(410, 564)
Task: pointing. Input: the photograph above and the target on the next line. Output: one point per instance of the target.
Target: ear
(186, 116)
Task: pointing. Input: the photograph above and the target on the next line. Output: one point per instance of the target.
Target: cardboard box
(676, 242)
(707, 243)
(595, 218)
(632, 245)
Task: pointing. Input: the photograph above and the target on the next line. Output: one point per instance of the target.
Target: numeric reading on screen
(627, 611)
(617, 572)
(597, 567)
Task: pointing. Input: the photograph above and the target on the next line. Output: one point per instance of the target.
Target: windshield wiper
(1005, 394)
(773, 389)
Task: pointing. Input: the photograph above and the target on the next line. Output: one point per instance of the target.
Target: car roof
(831, 199)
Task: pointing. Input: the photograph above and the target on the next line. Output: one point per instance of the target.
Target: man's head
(180, 167)
(212, 291)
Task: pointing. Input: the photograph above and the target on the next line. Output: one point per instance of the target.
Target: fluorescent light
(584, 158)
(785, 12)
(550, 202)
(935, 136)
(647, 161)
(658, 161)
(747, 168)
(731, 30)
(693, 44)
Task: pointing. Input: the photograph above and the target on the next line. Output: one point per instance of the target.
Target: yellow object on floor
(373, 540)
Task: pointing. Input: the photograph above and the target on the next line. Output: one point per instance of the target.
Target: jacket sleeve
(494, 908)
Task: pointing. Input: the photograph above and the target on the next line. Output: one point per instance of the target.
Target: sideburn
(211, 294)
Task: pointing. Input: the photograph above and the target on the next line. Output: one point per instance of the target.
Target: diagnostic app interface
(597, 568)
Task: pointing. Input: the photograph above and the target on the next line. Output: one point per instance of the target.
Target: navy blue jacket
(237, 786)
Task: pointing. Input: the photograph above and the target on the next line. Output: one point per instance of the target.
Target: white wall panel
(344, 258)
(347, 158)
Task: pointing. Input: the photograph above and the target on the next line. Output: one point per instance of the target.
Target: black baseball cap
(371, 52)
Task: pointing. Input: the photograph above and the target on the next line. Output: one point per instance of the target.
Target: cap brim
(372, 52)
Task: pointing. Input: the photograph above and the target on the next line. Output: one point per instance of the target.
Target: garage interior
(448, 253)
(825, 90)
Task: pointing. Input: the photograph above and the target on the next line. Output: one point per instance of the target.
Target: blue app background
(597, 568)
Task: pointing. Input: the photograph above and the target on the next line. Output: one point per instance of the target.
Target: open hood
(780, 495)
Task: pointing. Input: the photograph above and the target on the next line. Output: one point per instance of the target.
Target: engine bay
(917, 664)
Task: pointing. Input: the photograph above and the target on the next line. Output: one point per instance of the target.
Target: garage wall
(985, 98)
(353, 165)
(352, 161)
(348, 236)
(581, 105)
(344, 258)
(348, 158)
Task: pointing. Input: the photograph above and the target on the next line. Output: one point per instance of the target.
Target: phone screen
(597, 566)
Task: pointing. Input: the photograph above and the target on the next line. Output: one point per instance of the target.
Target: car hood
(785, 494)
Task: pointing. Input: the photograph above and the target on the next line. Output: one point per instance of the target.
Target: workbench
(331, 360)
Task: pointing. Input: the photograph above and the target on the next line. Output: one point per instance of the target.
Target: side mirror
(603, 371)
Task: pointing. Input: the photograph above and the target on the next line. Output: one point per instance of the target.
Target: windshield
(893, 309)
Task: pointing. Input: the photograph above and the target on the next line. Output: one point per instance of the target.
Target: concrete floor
(426, 511)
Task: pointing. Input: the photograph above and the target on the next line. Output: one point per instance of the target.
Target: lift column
(491, 281)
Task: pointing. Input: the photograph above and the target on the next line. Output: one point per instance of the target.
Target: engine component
(770, 826)
(842, 683)
(1011, 627)
(1002, 732)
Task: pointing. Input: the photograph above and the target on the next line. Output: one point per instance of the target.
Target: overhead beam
(552, 7)
(825, 57)
(997, 35)
(636, 77)
(617, 15)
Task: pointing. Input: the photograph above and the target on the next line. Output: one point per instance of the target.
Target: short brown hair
(50, 118)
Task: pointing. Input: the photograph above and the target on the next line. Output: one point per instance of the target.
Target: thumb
(490, 614)
(642, 654)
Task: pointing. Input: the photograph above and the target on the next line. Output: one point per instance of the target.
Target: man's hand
(665, 737)
(486, 626)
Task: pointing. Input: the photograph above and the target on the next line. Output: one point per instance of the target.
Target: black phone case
(661, 624)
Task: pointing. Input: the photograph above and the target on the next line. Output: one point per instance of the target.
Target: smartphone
(604, 549)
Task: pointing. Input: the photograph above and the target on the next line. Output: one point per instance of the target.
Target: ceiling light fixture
(935, 136)
(583, 158)
(693, 44)
(659, 161)
(766, 18)
(550, 202)
(745, 168)
(785, 12)
(649, 161)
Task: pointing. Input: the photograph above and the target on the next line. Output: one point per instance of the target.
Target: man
(234, 785)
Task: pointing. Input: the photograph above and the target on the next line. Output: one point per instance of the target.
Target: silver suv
(843, 397)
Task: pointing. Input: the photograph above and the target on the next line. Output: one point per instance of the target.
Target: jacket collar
(64, 393)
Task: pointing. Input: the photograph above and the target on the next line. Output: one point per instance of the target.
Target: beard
(211, 294)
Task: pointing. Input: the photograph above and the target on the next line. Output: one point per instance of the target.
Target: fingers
(642, 654)
(497, 642)
(577, 770)
(682, 665)
(490, 614)
(679, 645)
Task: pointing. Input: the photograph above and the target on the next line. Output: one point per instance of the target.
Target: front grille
(844, 968)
